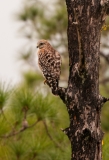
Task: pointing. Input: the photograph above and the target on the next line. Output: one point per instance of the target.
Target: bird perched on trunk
(49, 61)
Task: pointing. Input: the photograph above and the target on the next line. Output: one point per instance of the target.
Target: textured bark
(85, 20)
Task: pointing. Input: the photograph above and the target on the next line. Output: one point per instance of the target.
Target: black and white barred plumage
(49, 62)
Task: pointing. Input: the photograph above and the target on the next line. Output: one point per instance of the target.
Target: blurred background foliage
(31, 117)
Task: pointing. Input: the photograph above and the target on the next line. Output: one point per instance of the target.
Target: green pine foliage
(31, 126)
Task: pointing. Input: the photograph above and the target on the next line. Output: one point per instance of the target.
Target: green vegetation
(31, 125)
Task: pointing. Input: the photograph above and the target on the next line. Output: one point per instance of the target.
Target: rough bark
(82, 98)
(85, 20)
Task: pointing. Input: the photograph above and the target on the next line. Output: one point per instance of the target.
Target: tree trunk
(82, 98)
(85, 20)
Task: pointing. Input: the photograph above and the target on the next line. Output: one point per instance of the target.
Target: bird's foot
(45, 81)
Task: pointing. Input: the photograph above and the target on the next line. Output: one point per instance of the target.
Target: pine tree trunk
(85, 20)
(82, 98)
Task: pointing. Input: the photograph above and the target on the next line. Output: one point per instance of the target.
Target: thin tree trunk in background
(85, 20)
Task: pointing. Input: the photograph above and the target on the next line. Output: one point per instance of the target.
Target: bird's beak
(37, 46)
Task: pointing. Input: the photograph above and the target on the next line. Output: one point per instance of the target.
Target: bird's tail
(53, 84)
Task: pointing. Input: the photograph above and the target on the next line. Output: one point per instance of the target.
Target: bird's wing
(57, 65)
(47, 63)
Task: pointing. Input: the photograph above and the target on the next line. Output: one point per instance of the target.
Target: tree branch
(103, 100)
(24, 127)
(66, 131)
(62, 93)
(51, 138)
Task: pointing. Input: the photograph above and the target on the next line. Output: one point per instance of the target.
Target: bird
(49, 61)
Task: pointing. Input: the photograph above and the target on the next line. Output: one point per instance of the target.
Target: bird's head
(41, 43)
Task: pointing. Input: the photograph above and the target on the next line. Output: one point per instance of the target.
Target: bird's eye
(41, 43)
